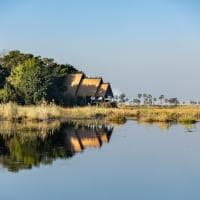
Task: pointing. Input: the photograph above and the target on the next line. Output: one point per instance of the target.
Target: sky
(139, 46)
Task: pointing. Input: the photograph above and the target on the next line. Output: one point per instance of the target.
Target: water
(132, 161)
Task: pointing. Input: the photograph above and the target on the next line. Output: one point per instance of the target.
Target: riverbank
(178, 114)
(45, 112)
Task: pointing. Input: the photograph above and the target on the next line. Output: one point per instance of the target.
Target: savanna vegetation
(180, 114)
(32, 88)
(46, 112)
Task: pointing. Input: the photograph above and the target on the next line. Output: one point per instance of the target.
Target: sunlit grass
(45, 112)
(182, 114)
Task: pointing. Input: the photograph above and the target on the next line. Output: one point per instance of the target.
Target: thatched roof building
(89, 87)
(104, 90)
(72, 83)
(83, 87)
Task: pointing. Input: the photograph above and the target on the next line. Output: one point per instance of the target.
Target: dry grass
(97, 112)
(181, 114)
(14, 112)
(44, 112)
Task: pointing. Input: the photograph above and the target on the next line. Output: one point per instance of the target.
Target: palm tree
(173, 101)
(139, 95)
(145, 98)
(161, 97)
(144, 95)
(122, 97)
(154, 100)
(150, 99)
(166, 101)
(136, 101)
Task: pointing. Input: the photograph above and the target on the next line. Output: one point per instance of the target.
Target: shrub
(8, 93)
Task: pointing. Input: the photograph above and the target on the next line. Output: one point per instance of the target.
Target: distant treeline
(148, 99)
(29, 79)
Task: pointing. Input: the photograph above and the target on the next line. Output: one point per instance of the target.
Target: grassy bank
(44, 112)
(179, 114)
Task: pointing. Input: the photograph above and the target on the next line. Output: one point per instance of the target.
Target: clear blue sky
(150, 46)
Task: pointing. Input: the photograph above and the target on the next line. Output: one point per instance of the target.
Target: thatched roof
(104, 138)
(75, 143)
(104, 90)
(79, 86)
(87, 139)
(76, 140)
(89, 87)
(72, 82)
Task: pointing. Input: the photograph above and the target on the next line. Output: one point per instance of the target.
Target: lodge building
(88, 89)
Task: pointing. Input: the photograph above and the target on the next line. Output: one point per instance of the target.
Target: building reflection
(79, 139)
(23, 148)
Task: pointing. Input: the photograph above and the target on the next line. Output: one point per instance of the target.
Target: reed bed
(178, 114)
(42, 112)
(45, 112)
(117, 115)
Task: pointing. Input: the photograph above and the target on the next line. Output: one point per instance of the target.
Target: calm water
(132, 161)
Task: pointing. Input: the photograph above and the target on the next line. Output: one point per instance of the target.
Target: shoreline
(50, 112)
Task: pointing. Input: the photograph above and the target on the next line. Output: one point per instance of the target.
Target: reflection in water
(25, 145)
(161, 125)
(165, 126)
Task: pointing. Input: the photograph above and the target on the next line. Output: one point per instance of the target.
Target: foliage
(42, 112)
(30, 79)
(33, 80)
(14, 58)
(122, 97)
(3, 74)
(8, 93)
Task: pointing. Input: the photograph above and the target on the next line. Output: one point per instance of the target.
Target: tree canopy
(28, 79)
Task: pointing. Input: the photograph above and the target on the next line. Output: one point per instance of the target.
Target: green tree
(150, 100)
(136, 101)
(59, 87)
(8, 93)
(139, 95)
(32, 80)
(3, 75)
(122, 97)
(14, 58)
(154, 100)
(161, 97)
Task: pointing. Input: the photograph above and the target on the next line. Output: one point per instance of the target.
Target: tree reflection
(23, 146)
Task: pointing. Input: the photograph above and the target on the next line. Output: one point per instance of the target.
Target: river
(130, 161)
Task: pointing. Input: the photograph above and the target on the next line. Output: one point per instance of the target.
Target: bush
(33, 80)
(109, 104)
(8, 94)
